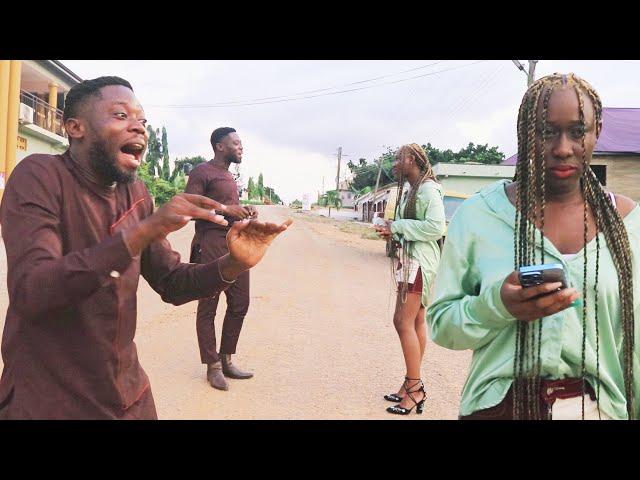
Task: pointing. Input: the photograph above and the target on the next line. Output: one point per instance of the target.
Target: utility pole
(338, 174)
(530, 73)
(375, 192)
(531, 76)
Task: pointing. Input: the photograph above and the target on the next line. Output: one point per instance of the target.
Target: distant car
(452, 200)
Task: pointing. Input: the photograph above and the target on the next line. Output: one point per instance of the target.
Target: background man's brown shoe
(215, 376)
(231, 371)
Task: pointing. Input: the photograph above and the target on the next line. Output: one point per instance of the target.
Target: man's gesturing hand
(172, 216)
(248, 240)
(175, 214)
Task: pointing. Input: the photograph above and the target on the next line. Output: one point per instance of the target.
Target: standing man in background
(213, 179)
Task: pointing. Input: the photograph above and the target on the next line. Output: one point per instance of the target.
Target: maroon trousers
(206, 247)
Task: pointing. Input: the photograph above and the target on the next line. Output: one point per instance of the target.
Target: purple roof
(620, 133)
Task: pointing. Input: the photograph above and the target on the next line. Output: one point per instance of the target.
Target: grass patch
(363, 230)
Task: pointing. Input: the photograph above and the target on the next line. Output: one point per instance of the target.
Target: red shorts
(416, 287)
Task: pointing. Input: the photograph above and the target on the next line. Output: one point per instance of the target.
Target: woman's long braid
(607, 220)
(523, 176)
(615, 234)
(402, 288)
(595, 301)
(521, 182)
(521, 212)
(526, 385)
(583, 188)
(541, 195)
(611, 225)
(532, 378)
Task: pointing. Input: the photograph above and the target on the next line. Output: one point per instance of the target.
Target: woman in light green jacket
(419, 225)
(545, 352)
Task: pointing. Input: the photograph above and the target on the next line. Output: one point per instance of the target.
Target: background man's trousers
(207, 247)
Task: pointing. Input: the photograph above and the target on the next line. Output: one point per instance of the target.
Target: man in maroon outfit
(213, 180)
(79, 230)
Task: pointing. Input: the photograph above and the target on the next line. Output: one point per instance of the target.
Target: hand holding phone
(533, 292)
(532, 275)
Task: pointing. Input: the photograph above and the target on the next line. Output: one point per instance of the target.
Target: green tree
(251, 188)
(471, 153)
(332, 199)
(437, 156)
(270, 194)
(365, 174)
(166, 172)
(153, 152)
(158, 178)
(185, 165)
(260, 186)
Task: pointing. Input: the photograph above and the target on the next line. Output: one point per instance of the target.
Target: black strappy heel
(394, 397)
(419, 406)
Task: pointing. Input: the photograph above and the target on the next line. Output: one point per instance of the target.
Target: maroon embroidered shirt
(68, 342)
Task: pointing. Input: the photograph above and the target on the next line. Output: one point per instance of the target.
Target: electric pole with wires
(337, 177)
(531, 72)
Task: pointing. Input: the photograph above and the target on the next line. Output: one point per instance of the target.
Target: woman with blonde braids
(542, 352)
(420, 224)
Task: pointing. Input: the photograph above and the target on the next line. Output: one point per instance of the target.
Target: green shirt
(468, 313)
(423, 232)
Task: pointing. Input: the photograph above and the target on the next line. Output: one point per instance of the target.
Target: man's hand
(237, 211)
(253, 211)
(248, 241)
(528, 304)
(172, 216)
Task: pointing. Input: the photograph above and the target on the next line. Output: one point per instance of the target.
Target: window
(601, 173)
(451, 204)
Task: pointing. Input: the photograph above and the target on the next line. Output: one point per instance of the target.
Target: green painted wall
(36, 145)
(463, 184)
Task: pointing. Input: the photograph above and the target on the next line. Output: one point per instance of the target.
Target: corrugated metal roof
(620, 133)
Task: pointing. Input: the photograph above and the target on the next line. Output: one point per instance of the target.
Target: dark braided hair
(81, 92)
(530, 204)
(422, 160)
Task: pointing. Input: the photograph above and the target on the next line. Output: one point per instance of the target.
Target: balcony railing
(44, 116)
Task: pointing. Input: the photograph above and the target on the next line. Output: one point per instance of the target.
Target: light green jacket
(467, 311)
(424, 232)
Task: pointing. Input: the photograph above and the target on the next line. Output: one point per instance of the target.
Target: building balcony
(34, 110)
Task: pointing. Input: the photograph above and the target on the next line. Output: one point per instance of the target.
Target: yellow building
(32, 94)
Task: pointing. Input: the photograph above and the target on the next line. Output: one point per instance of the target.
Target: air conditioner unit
(26, 114)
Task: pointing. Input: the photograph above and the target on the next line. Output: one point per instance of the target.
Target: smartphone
(532, 275)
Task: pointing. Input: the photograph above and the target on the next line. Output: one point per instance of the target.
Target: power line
(461, 106)
(222, 105)
(232, 102)
(333, 88)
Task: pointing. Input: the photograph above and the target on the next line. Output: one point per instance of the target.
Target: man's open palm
(248, 240)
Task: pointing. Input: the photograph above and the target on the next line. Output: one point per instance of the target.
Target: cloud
(294, 143)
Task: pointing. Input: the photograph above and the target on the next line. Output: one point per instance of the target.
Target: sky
(293, 115)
